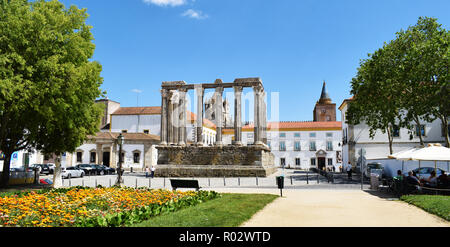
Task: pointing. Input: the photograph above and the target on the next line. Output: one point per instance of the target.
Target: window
(136, 157)
(329, 134)
(328, 118)
(282, 162)
(282, 146)
(420, 128)
(296, 134)
(296, 146)
(329, 146)
(92, 157)
(282, 134)
(80, 157)
(395, 131)
(313, 161)
(330, 161)
(146, 131)
(250, 135)
(312, 146)
(297, 161)
(124, 131)
(312, 134)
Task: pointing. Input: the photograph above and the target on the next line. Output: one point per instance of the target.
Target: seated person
(444, 179)
(412, 180)
(399, 175)
(432, 180)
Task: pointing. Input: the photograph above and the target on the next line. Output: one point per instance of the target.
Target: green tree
(404, 82)
(424, 63)
(376, 101)
(48, 85)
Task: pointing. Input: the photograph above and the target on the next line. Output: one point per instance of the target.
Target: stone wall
(214, 161)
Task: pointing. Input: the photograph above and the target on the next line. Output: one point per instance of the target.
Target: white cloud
(136, 91)
(196, 14)
(171, 3)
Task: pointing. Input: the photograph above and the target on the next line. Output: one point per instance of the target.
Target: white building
(141, 128)
(356, 137)
(299, 144)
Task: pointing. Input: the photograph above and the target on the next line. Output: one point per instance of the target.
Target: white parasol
(404, 155)
(433, 152)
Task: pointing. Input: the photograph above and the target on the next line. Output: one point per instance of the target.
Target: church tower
(325, 110)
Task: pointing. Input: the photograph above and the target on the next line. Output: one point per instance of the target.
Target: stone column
(182, 117)
(175, 116)
(264, 117)
(199, 92)
(111, 155)
(237, 115)
(99, 154)
(257, 115)
(169, 118)
(164, 117)
(219, 115)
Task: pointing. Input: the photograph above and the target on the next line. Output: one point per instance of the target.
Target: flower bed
(89, 207)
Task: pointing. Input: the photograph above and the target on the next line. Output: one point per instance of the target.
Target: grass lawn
(434, 204)
(231, 210)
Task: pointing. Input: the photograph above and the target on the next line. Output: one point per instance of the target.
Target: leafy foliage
(48, 84)
(404, 81)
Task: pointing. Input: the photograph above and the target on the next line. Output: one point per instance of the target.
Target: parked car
(425, 172)
(43, 168)
(35, 166)
(71, 172)
(373, 165)
(102, 170)
(51, 167)
(88, 169)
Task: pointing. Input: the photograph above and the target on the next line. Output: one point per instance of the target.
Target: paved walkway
(336, 208)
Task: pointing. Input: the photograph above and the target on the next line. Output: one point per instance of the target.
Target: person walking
(146, 171)
(349, 171)
(153, 171)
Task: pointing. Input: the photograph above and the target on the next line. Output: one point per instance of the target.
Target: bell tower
(325, 110)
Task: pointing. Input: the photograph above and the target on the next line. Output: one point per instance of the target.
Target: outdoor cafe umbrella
(433, 152)
(404, 155)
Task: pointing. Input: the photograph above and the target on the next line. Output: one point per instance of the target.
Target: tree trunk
(445, 126)
(416, 120)
(5, 172)
(57, 179)
(390, 137)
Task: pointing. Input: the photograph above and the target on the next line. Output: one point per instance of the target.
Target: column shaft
(164, 114)
(199, 92)
(257, 115)
(219, 115)
(237, 115)
(182, 118)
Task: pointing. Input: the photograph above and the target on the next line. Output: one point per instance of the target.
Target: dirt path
(319, 207)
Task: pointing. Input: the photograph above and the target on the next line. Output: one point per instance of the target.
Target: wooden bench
(184, 183)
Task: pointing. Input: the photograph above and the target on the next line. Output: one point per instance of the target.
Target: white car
(71, 172)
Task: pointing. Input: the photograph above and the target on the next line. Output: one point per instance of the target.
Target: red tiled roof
(192, 117)
(133, 136)
(146, 110)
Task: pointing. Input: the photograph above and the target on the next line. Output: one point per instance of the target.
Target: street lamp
(120, 140)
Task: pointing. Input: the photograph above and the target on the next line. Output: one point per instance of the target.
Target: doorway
(321, 163)
(106, 159)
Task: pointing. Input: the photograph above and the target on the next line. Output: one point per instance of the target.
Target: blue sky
(293, 46)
